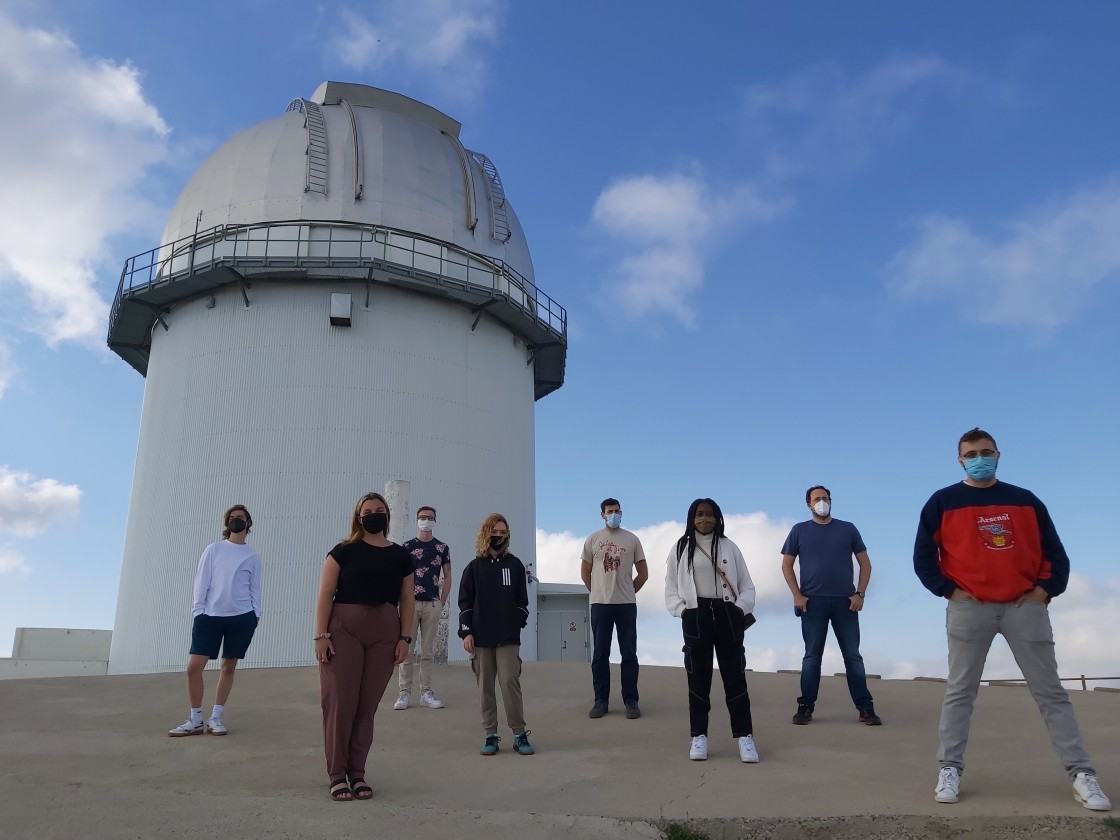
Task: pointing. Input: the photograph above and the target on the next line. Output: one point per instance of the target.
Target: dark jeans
(823, 609)
(605, 618)
(716, 626)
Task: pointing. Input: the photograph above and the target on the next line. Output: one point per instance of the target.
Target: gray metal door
(549, 637)
(574, 637)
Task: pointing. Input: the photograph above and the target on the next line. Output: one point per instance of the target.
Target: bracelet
(319, 636)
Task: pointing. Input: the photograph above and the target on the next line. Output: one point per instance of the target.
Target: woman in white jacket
(708, 587)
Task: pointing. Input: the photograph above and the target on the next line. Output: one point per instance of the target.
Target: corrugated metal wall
(272, 407)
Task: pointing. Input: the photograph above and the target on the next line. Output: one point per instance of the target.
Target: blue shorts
(209, 631)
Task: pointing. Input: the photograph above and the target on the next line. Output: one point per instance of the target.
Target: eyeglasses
(983, 453)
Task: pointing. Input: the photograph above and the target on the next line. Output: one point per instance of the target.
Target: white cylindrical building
(342, 297)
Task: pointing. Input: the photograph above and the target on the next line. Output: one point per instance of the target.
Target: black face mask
(498, 543)
(375, 523)
(236, 525)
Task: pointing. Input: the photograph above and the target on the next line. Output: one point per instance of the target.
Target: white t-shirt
(228, 580)
(612, 554)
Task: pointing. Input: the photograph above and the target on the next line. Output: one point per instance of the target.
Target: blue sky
(798, 243)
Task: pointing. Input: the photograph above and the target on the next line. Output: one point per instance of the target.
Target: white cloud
(79, 136)
(830, 121)
(446, 40)
(818, 121)
(28, 505)
(758, 537)
(12, 563)
(664, 225)
(1078, 616)
(7, 368)
(1038, 270)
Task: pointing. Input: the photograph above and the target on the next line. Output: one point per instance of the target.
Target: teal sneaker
(521, 743)
(490, 746)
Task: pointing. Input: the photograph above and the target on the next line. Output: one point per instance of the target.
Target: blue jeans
(605, 618)
(822, 610)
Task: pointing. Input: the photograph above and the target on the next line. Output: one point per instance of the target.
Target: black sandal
(360, 788)
(340, 791)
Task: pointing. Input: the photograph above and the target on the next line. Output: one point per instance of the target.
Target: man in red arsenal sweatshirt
(992, 550)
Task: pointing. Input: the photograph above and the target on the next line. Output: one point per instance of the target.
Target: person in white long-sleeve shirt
(226, 607)
(708, 587)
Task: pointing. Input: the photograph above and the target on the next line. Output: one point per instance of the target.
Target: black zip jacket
(493, 601)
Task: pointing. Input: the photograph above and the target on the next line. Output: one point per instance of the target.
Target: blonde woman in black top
(362, 616)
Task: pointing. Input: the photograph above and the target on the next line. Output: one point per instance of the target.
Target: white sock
(196, 715)
(217, 713)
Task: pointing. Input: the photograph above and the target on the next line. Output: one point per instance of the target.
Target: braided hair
(688, 541)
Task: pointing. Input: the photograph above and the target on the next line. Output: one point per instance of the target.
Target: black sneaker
(632, 711)
(598, 710)
(804, 714)
(869, 717)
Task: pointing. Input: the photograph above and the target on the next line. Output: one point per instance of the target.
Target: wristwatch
(860, 594)
(406, 639)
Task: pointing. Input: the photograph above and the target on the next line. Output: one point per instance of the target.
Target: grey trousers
(503, 662)
(970, 628)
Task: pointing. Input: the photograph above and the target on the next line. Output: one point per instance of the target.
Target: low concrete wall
(24, 669)
(59, 643)
(57, 652)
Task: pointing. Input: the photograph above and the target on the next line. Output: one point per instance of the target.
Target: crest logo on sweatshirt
(996, 531)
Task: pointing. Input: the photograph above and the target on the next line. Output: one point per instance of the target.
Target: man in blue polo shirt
(824, 547)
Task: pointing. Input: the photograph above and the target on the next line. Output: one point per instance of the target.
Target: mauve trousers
(352, 682)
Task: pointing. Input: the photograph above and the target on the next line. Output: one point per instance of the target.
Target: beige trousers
(425, 624)
(504, 663)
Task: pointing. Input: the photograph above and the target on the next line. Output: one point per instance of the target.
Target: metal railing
(327, 244)
(1084, 680)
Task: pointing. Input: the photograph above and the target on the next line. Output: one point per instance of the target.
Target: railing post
(1084, 684)
(194, 244)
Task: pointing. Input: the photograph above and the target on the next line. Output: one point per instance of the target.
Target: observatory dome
(354, 153)
(342, 297)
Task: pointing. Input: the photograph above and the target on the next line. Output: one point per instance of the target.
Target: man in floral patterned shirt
(432, 561)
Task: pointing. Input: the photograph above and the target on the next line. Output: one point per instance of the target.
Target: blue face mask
(614, 520)
(980, 468)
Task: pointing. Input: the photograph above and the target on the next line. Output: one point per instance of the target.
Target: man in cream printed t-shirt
(610, 558)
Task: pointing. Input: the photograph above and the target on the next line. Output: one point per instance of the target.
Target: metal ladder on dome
(316, 178)
(499, 219)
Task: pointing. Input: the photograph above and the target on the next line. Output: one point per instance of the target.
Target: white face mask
(425, 524)
(822, 508)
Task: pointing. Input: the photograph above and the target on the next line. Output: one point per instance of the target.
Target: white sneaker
(948, 783)
(698, 750)
(429, 700)
(187, 727)
(1087, 791)
(747, 751)
(403, 701)
(216, 728)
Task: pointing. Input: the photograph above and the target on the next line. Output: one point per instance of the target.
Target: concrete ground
(89, 757)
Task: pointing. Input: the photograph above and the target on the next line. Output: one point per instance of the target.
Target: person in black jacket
(493, 607)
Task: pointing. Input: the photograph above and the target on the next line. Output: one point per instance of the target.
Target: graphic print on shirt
(612, 556)
(427, 572)
(996, 531)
